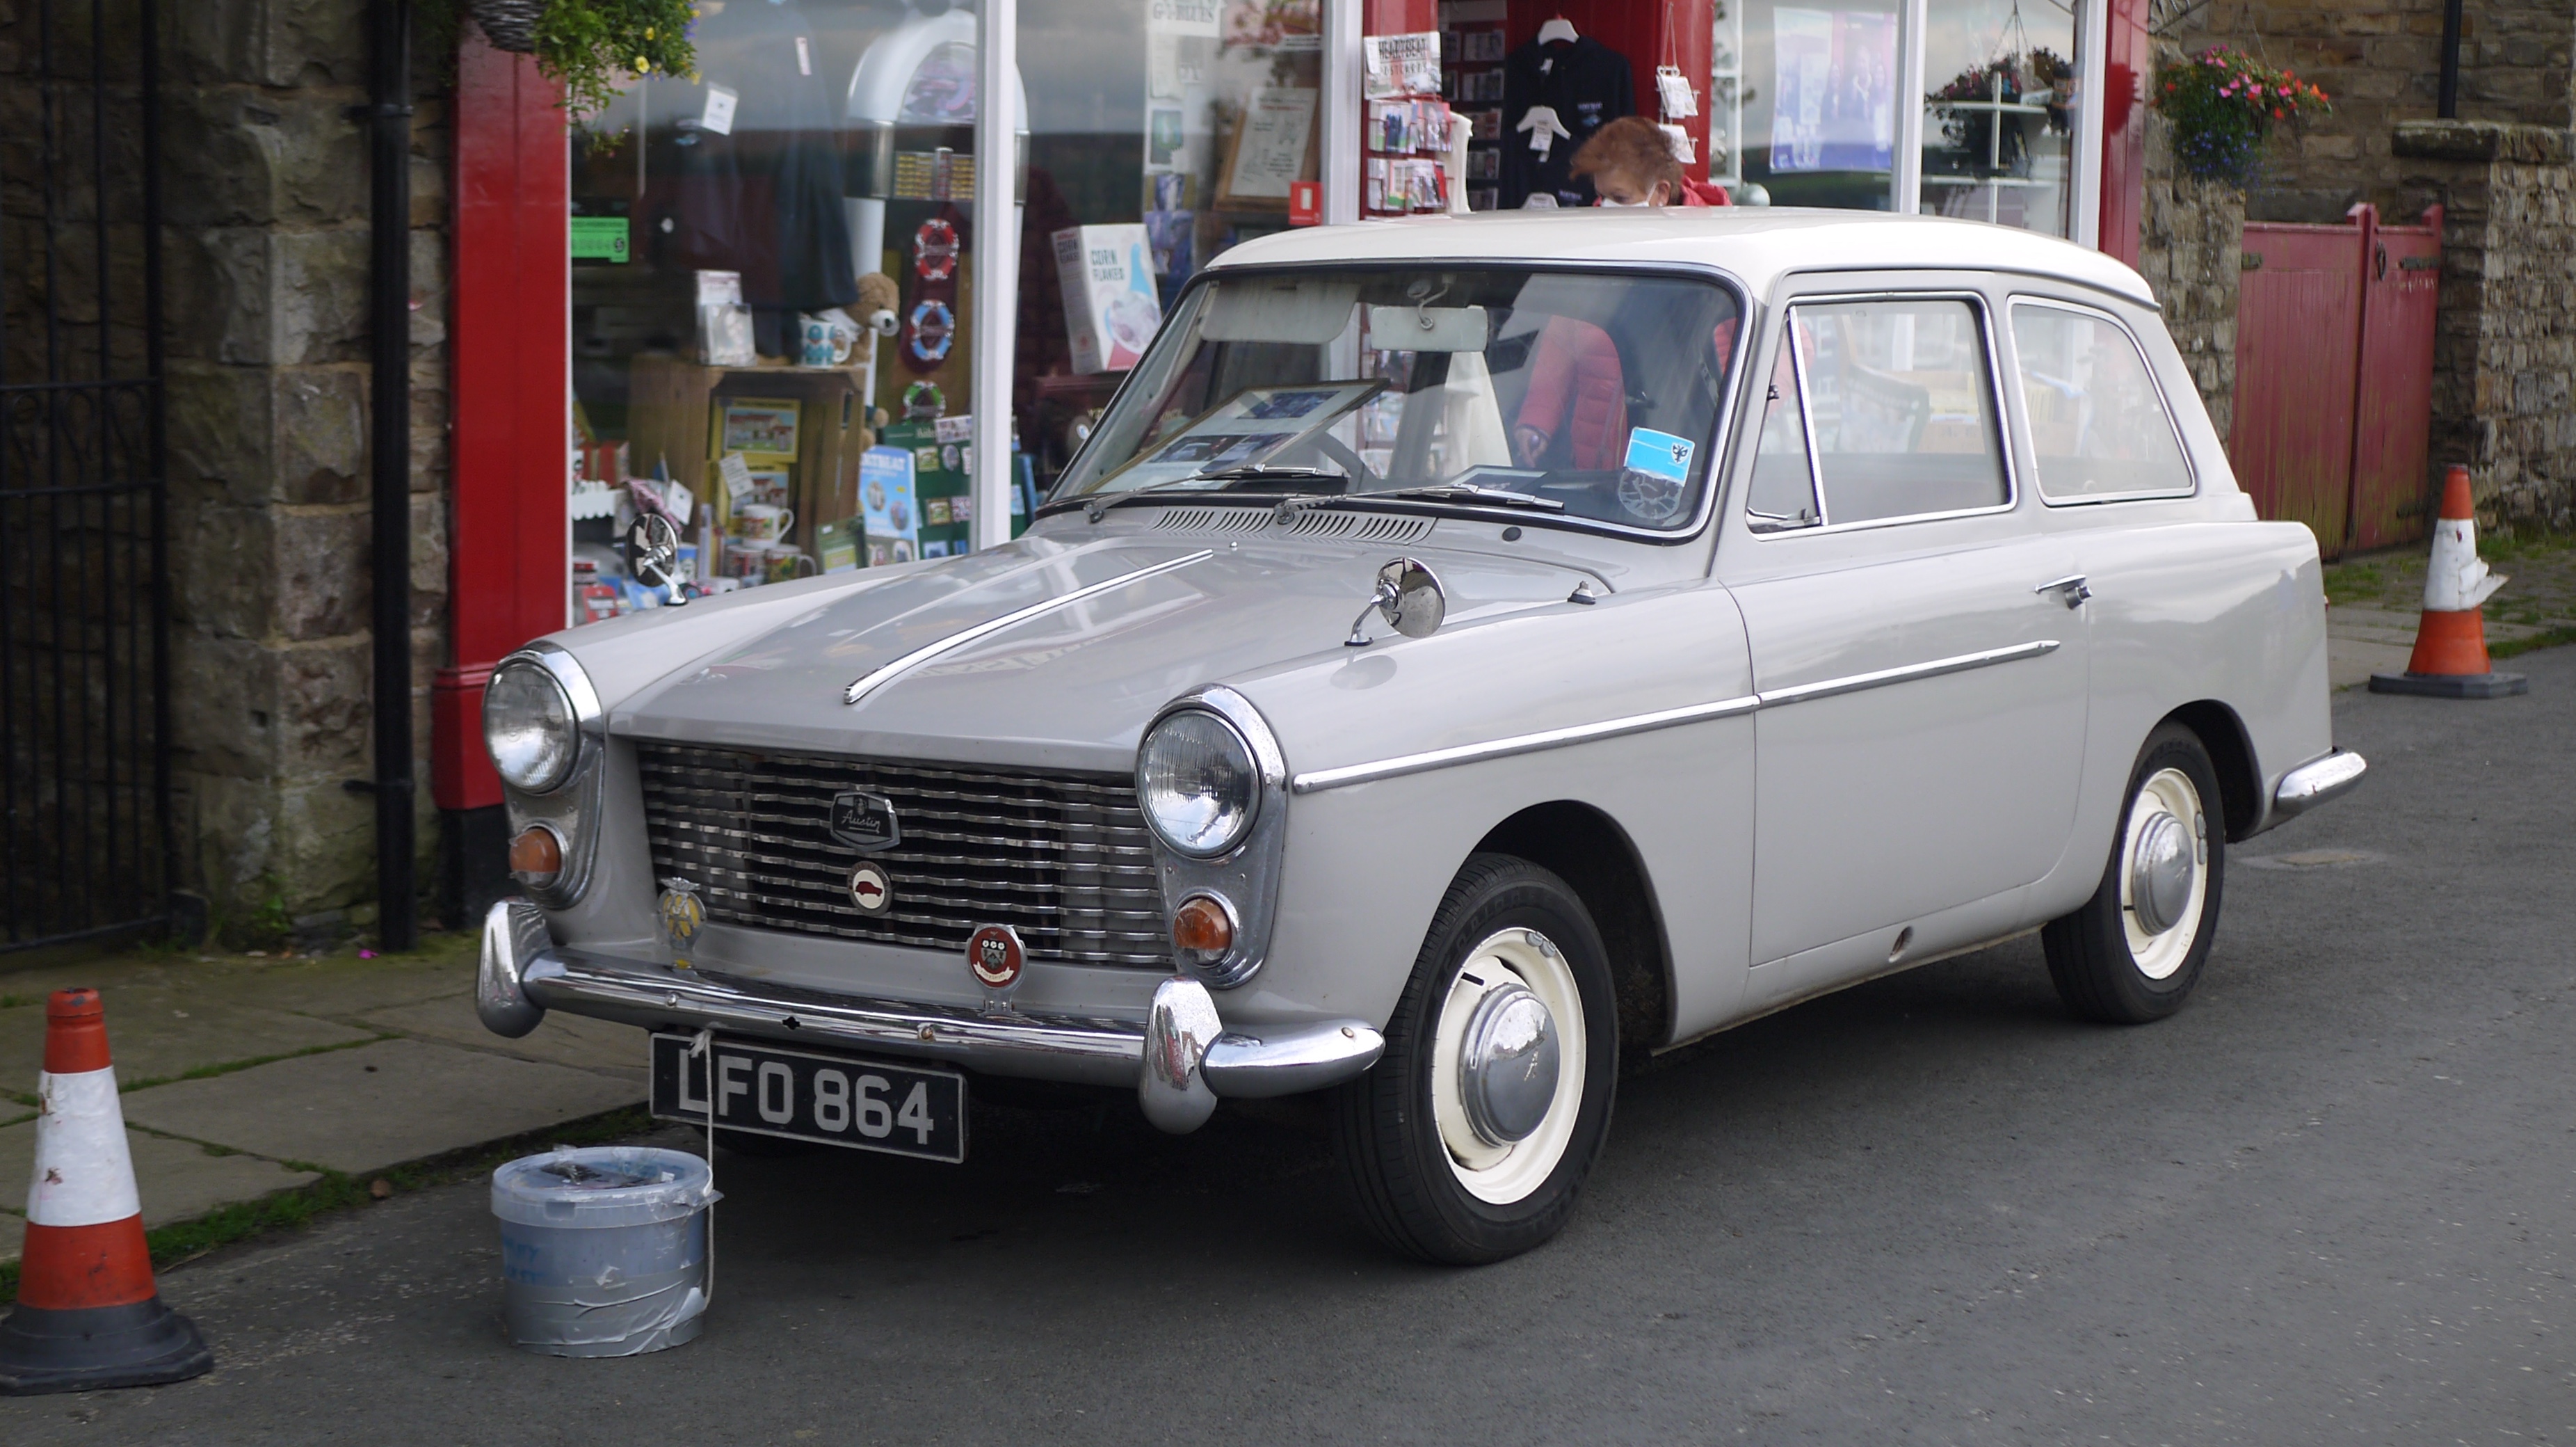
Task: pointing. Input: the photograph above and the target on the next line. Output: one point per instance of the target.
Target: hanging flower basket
(2224, 105)
(592, 48)
(1972, 107)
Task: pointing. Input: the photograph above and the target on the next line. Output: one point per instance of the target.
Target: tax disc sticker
(1658, 454)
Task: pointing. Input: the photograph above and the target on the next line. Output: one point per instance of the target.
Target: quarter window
(2098, 426)
(1899, 416)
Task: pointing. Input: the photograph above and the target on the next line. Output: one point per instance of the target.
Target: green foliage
(595, 47)
(2223, 104)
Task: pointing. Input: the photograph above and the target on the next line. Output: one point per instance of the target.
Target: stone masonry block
(225, 690)
(320, 560)
(258, 297)
(323, 703)
(255, 157)
(223, 582)
(320, 436)
(270, 42)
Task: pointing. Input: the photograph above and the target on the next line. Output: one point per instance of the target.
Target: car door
(1918, 647)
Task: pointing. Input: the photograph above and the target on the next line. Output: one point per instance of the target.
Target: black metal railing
(86, 840)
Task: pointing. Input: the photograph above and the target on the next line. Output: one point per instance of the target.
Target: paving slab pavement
(181, 1180)
(377, 1105)
(440, 1081)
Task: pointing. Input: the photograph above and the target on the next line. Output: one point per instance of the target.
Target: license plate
(839, 1100)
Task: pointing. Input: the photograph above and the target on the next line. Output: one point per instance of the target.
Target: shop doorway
(84, 601)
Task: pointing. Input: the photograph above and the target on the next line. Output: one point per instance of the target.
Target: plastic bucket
(603, 1250)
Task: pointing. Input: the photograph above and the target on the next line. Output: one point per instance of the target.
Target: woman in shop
(1575, 413)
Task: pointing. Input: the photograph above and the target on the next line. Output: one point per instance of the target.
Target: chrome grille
(1062, 857)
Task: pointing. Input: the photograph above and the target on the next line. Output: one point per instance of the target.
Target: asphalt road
(2329, 1202)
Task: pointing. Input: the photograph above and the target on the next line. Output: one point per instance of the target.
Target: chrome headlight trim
(572, 808)
(1228, 730)
(1245, 876)
(519, 736)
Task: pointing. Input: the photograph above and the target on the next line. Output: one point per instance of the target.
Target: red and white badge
(870, 889)
(995, 957)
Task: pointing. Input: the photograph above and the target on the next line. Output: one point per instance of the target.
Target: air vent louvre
(1358, 527)
(1215, 519)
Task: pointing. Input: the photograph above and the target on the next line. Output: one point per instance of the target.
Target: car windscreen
(1588, 394)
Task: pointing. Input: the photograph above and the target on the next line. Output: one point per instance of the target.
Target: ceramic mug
(762, 522)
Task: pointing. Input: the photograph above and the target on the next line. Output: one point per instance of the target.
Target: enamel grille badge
(865, 821)
(996, 959)
(870, 889)
(682, 913)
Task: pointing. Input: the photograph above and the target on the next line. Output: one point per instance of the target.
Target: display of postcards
(888, 507)
(961, 508)
(934, 512)
(1398, 65)
(1485, 45)
(761, 427)
(1484, 165)
(934, 548)
(1172, 235)
(1390, 127)
(1484, 198)
(890, 550)
(1488, 124)
(1162, 136)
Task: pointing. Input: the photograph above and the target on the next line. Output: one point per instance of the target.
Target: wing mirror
(1409, 597)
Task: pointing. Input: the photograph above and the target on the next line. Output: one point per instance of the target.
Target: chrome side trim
(860, 689)
(1321, 779)
(1957, 663)
(2315, 782)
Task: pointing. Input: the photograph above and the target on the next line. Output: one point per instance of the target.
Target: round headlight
(1198, 783)
(528, 726)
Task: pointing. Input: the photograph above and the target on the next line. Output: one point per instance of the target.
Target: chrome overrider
(1180, 1059)
(2316, 782)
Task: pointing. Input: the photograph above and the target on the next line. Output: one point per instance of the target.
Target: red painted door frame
(510, 349)
(2128, 67)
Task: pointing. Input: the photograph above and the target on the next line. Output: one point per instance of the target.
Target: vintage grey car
(1748, 604)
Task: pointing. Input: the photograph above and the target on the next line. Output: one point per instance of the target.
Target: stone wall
(2506, 351)
(2380, 62)
(2191, 234)
(266, 199)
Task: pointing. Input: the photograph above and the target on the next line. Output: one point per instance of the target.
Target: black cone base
(2452, 685)
(140, 1345)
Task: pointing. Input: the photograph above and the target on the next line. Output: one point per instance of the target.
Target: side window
(2098, 426)
(1783, 492)
(1877, 410)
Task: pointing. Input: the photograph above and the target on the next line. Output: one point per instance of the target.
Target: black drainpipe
(2448, 107)
(388, 115)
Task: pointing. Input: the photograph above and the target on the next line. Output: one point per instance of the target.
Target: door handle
(2070, 588)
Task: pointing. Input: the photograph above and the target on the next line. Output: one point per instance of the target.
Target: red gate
(2334, 376)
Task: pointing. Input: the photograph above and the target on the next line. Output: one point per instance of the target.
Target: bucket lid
(602, 1186)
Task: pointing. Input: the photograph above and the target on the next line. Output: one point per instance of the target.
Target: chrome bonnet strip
(1321, 779)
(859, 690)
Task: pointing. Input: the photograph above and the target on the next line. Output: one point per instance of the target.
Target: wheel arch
(1586, 848)
(2231, 752)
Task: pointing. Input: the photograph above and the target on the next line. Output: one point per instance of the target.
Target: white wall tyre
(1471, 1138)
(2134, 951)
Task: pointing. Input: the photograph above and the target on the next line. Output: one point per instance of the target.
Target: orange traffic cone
(88, 1315)
(2450, 659)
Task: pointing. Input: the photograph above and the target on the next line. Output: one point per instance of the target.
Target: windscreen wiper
(1468, 492)
(1262, 472)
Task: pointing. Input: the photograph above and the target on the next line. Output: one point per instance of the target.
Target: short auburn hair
(1632, 147)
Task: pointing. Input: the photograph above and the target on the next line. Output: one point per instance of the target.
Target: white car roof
(1758, 244)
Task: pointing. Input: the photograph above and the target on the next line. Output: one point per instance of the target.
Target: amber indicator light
(1200, 925)
(535, 850)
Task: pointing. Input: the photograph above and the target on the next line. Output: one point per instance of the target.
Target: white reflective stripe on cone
(2458, 579)
(84, 1176)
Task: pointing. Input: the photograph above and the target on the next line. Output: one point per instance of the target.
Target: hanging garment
(1587, 85)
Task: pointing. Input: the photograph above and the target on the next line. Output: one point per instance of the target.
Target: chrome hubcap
(2161, 874)
(1507, 1065)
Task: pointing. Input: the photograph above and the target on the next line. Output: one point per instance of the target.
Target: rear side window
(2098, 425)
(1878, 410)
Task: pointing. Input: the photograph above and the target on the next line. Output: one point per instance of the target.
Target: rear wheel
(1470, 1140)
(2134, 951)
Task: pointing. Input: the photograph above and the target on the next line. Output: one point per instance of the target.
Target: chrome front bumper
(1180, 1059)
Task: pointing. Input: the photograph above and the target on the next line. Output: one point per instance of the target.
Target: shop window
(1810, 93)
(1999, 116)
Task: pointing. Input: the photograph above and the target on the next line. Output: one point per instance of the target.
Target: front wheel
(1471, 1138)
(2134, 951)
